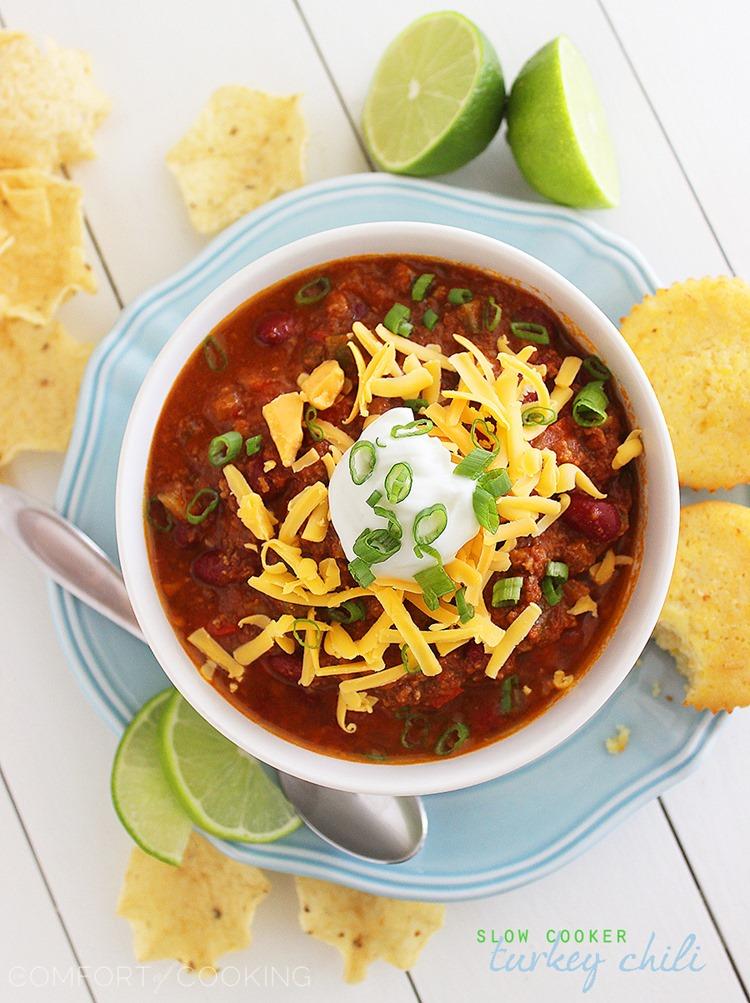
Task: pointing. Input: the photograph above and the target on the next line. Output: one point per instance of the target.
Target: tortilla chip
(41, 245)
(245, 148)
(704, 622)
(195, 912)
(693, 340)
(40, 372)
(49, 104)
(366, 927)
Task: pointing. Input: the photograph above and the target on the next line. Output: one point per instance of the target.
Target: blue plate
(482, 840)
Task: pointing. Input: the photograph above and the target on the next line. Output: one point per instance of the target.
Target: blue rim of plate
(448, 868)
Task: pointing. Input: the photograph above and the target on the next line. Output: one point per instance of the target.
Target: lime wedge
(223, 790)
(436, 99)
(141, 795)
(558, 132)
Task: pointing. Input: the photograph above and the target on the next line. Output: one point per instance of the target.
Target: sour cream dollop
(433, 481)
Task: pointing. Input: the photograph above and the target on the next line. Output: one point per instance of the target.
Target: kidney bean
(185, 535)
(214, 568)
(595, 518)
(275, 327)
(285, 667)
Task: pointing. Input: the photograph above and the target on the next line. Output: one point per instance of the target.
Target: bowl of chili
(188, 555)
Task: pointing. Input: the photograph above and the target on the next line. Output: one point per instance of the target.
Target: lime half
(436, 99)
(558, 132)
(141, 795)
(223, 790)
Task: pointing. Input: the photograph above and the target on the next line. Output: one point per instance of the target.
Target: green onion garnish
(313, 292)
(434, 582)
(421, 426)
(398, 482)
(311, 424)
(506, 591)
(421, 284)
(485, 509)
(508, 694)
(596, 368)
(349, 611)
(394, 525)
(473, 464)
(302, 622)
(160, 527)
(373, 499)
(590, 405)
(224, 448)
(406, 662)
(430, 319)
(362, 460)
(214, 354)
(429, 524)
(361, 572)
(488, 429)
(378, 443)
(452, 739)
(458, 296)
(253, 444)
(555, 576)
(465, 609)
(497, 482)
(526, 331)
(198, 508)
(376, 545)
(418, 723)
(537, 415)
(397, 320)
(492, 314)
(416, 403)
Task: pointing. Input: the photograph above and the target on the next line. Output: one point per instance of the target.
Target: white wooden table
(675, 80)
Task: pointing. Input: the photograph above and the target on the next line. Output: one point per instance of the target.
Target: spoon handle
(68, 556)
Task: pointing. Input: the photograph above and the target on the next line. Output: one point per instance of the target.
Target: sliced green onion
(506, 591)
(302, 622)
(434, 582)
(311, 424)
(458, 296)
(404, 649)
(485, 509)
(488, 429)
(350, 611)
(397, 320)
(492, 314)
(452, 739)
(361, 572)
(253, 444)
(224, 448)
(526, 331)
(497, 482)
(430, 319)
(376, 545)
(204, 508)
(416, 403)
(374, 498)
(421, 426)
(398, 482)
(313, 292)
(214, 354)
(378, 443)
(421, 284)
(537, 415)
(590, 405)
(473, 464)
(465, 609)
(160, 527)
(508, 694)
(596, 368)
(555, 577)
(362, 460)
(413, 721)
(429, 524)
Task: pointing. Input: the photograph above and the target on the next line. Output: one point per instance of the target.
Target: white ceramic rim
(659, 514)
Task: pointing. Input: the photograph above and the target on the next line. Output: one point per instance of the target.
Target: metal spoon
(374, 827)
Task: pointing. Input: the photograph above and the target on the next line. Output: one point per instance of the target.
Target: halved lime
(436, 99)
(223, 790)
(558, 132)
(141, 795)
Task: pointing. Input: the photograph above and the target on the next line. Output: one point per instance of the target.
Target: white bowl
(659, 513)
